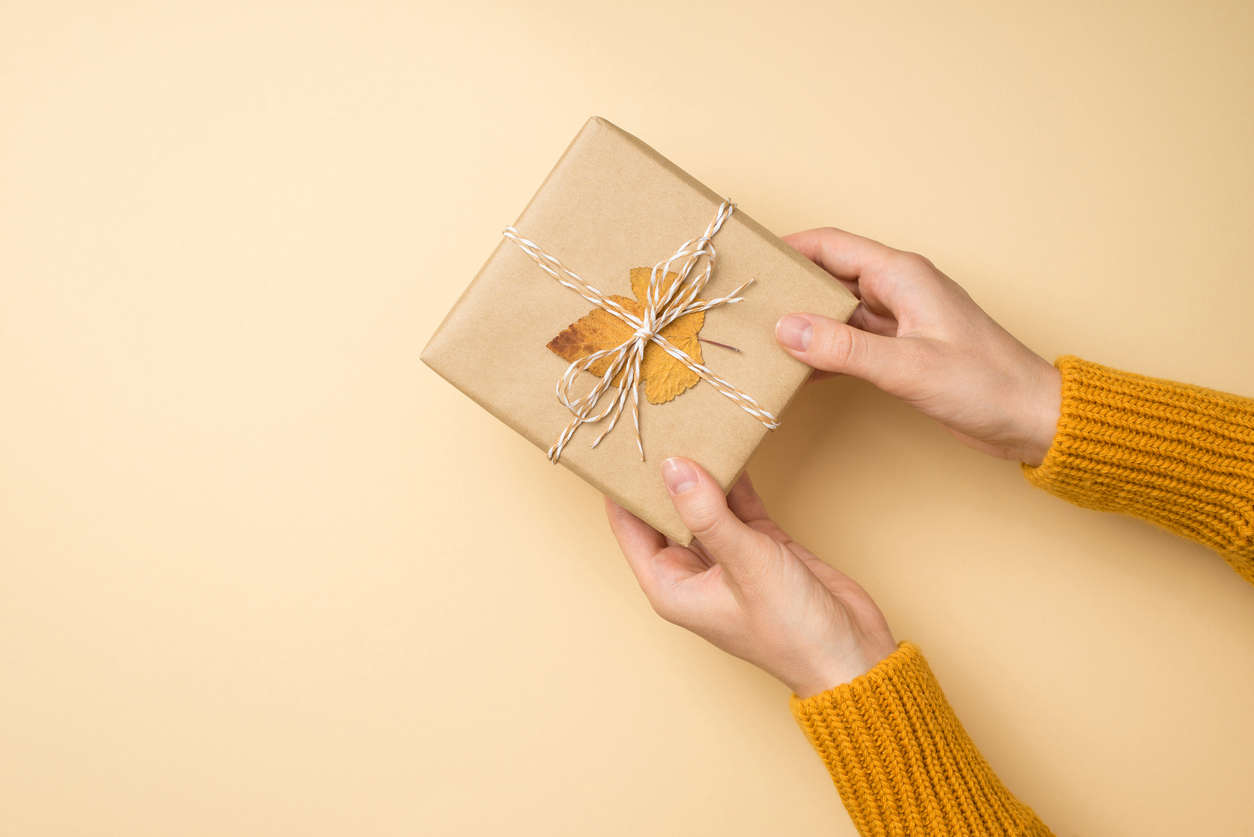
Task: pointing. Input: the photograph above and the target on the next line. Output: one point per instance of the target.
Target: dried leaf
(663, 376)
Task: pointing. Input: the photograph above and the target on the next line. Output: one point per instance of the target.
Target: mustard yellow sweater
(1179, 456)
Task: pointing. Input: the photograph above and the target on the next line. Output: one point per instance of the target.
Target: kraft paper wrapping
(610, 204)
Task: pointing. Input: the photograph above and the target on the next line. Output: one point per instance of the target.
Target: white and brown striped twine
(660, 310)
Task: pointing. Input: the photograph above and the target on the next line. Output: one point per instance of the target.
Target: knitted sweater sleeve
(901, 760)
(1179, 456)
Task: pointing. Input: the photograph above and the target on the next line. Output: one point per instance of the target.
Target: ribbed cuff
(1178, 455)
(901, 760)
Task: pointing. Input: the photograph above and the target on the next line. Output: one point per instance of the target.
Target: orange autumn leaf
(663, 376)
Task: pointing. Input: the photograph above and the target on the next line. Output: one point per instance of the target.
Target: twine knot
(663, 305)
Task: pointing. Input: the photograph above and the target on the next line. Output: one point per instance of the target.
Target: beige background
(265, 574)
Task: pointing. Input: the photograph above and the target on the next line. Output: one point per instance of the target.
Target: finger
(892, 364)
(840, 253)
(886, 280)
(656, 566)
(744, 501)
(702, 507)
(867, 320)
(695, 548)
(635, 537)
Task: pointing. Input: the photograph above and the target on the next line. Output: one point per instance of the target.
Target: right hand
(749, 588)
(919, 336)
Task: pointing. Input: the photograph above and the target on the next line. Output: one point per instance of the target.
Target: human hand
(751, 590)
(919, 336)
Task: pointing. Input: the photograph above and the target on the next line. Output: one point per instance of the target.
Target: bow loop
(663, 304)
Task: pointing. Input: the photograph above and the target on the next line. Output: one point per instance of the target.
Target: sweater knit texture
(1179, 456)
(900, 759)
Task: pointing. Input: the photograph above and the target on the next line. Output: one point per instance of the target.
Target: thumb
(891, 363)
(702, 506)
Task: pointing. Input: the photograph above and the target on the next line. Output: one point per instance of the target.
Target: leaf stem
(721, 345)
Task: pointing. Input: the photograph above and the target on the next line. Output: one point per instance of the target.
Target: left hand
(919, 336)
(748, 588)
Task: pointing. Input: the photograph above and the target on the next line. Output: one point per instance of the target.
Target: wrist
(1043, 407)
(838, 670)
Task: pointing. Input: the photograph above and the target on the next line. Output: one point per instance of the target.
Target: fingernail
(678, 476)
(794, 331)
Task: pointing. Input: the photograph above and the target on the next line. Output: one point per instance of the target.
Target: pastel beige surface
(264, 573)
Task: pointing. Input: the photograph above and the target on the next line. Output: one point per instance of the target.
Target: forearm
(1177, 455)
(901, 760)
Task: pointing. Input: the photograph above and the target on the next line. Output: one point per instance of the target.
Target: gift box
(628, 315)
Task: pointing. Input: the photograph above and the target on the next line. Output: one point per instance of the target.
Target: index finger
(637, 539)
(840, 253)
(657, 566)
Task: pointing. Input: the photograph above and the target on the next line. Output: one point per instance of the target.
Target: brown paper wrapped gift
(611, 205)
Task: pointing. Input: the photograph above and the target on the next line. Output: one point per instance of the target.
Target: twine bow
(662, 307)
